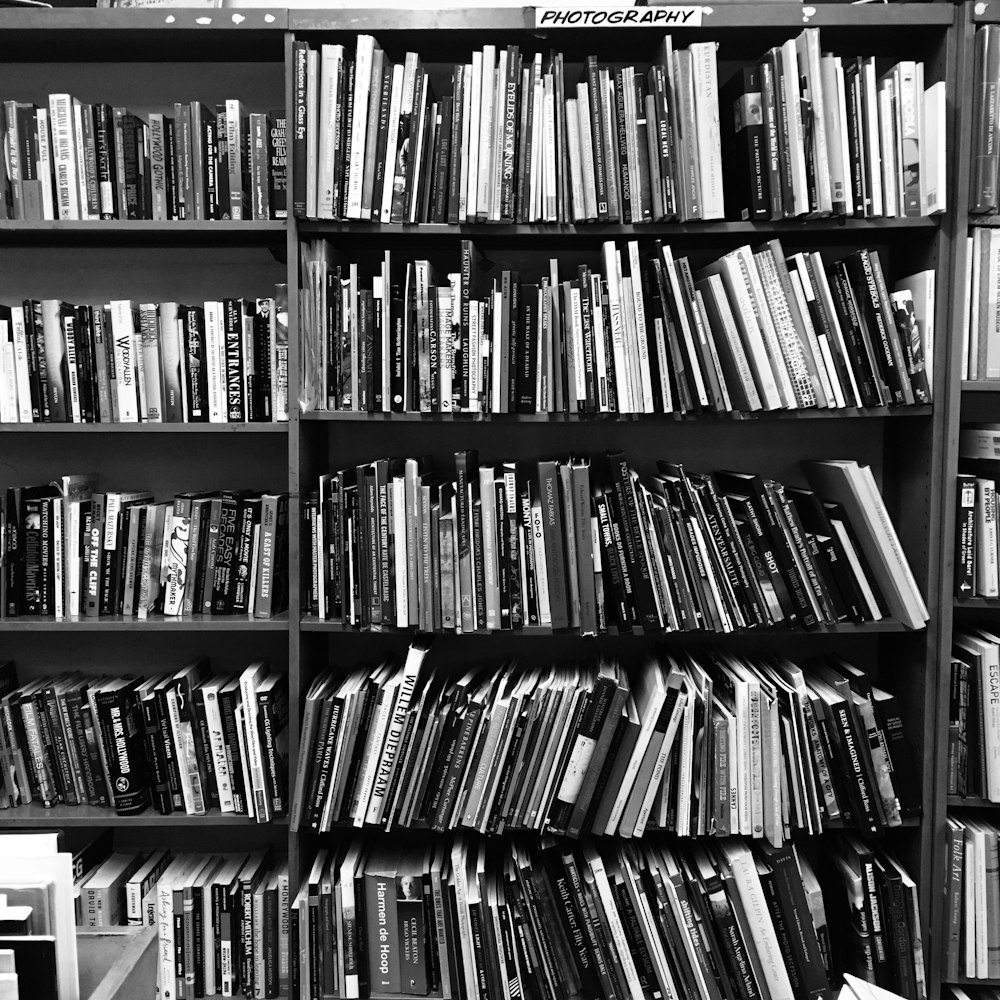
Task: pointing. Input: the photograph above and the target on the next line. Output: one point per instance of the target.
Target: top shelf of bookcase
(81, 34)
(719, 16)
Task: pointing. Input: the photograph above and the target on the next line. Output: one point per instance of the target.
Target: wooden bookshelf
(913, 449)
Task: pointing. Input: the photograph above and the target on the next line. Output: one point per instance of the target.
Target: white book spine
(21, 365)
(359, 123)
(215, 362)
(541, 577)
(123, 335)
(642, 340)
(64, 155)
(329, 110)
(487, 107)
(758, 917)
(475, 140)
(44, 169)
(80, 159)
(392, 140)
(706, 83)
(255, 762)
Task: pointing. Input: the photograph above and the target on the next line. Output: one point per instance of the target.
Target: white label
(618, 17)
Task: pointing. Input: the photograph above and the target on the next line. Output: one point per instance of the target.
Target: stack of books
(974, 715)
(221, 362)
(72, 161)
(69, 550)
(186, 741)
(708, 744)
(511, 139)
(561, 919)
(977, 558)
(222, 926)
(643, 333)
(972, 921)
(505, 546)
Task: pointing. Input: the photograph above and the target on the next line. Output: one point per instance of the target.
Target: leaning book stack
(186, 741)
(571, 546)
(560, 918)
(643, 332)
(222, 361)
(700, 745)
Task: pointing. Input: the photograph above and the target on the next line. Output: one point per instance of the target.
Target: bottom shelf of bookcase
(35, 815)
(116, 963)
(966, 981)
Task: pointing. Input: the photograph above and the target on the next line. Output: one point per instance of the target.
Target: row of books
(512, 140)
(186, 741)
(68, 160)
(981, 329)
(557, 919)
(983, 198)
(973, 715)
(69, 550)
(394, 543)
(509, 142)
(808, 133)
(972, 942)
(977, 560)
(641, 333)
(712, 743)
(222, 924)
(221, 362)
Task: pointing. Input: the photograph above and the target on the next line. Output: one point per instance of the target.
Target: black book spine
(300, 52)
(159, 783)
(169, 751)
(123, 735)
(225, 555)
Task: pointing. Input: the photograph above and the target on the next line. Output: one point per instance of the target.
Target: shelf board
(196, 428)
(734, 16)
(142, 19)
(311, 623)
(981, 385)
(971, 802)
(138, 232)
(158, 623)
(844, 413)
(981, 603)
(962, 981)
(603, 231)
(34, 815)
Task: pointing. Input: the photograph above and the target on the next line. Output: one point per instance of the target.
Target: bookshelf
(908, 448)
(213, 54)
(146, 60)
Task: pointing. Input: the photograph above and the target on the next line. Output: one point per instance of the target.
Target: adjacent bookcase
(965, 402)
(145, 60)
(156, 56)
